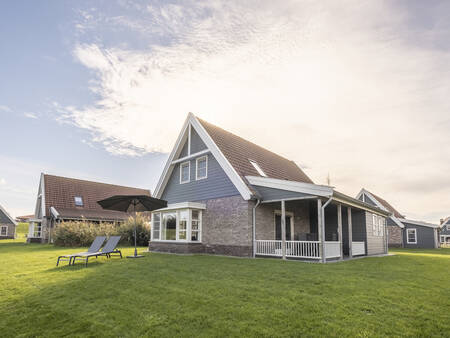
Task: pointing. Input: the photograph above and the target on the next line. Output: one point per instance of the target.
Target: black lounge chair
(108, 250)
(95, 247)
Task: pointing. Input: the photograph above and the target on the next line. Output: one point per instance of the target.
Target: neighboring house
(68, 199)
(7, 225)
(403, 232)
(444, 235)
(24, 219)
(229, 196)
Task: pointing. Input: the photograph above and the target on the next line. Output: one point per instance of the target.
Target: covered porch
(313, 223)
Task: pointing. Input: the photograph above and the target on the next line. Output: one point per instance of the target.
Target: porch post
(283, 229)
(350, 232)
(339, 217)
(319, 230)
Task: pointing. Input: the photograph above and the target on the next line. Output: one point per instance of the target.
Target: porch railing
(298, 249)
(358, 248)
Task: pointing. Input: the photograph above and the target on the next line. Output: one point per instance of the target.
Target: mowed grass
(169, 295)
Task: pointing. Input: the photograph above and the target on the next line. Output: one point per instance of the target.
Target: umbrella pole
(135, 241)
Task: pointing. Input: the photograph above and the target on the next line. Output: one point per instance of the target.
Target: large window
(169, 226)
(183, 225)
(201, 168)
(411, 236)
(4, 230)
(156, 225)
(37, 230)
(195, 229)
(185, 172)
(378, 224)
(178, 225)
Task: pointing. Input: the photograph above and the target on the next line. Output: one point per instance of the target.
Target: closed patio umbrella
(134, 203)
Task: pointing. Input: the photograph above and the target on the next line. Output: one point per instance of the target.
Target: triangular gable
(365, 195)
(193, 130)
(7, 216)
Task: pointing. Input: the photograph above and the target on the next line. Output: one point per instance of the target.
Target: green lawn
(403, 295)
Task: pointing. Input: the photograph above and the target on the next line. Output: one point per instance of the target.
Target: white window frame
(1, 230)
(188, 226)
(374, 225)
(81, 199)
(153, 228)
(197, 178)
(181, 172)
(415, 235)
(257, 168)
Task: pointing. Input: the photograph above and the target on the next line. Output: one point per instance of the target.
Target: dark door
(278, 228)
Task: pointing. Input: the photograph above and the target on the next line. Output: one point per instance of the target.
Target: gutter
(258, 201)
(322, 225)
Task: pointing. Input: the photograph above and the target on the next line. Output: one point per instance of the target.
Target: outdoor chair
(95, 247)
(108, 250)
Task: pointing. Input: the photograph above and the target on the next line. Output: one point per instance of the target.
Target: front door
(278, 227)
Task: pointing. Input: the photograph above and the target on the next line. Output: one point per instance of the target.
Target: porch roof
(275, 190)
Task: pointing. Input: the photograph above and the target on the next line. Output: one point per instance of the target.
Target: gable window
(258, 168)
(185, 172)
(201, 168)
(78, 201)
(411, 236)
(4, 230)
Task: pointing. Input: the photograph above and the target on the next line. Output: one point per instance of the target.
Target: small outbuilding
(403, 232)
(7, 225)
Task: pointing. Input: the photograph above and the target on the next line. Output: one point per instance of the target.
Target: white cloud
(339, 88)
(5, 109)
(30, 115)
(2, 181)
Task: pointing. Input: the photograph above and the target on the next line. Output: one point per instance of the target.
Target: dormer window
(78, 201)
(258, 168)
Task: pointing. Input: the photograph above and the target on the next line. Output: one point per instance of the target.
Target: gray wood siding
(375, 244)
(216, 185)
(5, 219)
(184, 150)
(445, 230)
(425, 236)
(196, 142)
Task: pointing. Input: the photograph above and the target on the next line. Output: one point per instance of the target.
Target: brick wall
(394, 236)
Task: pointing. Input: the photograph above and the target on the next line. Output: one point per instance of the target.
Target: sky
(354, 90)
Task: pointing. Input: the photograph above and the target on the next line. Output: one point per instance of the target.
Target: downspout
(323, 229)
(258, 201)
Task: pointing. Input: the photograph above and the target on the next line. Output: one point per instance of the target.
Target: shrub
(84, 233)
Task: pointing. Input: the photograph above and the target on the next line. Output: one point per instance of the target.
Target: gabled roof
(446, 221)
(5, 217)
(383, 202)
(239, 152)
(60, 193)
(234, 154)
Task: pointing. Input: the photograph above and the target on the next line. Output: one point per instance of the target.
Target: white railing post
(339, 215)
(350, 232)
(283, 229)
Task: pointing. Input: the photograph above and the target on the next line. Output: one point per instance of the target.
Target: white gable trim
(379, 205)
(192, 122)
(8, 215)
(306, 188)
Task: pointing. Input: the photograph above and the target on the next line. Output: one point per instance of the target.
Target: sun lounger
(108, 250)
(95, 247)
